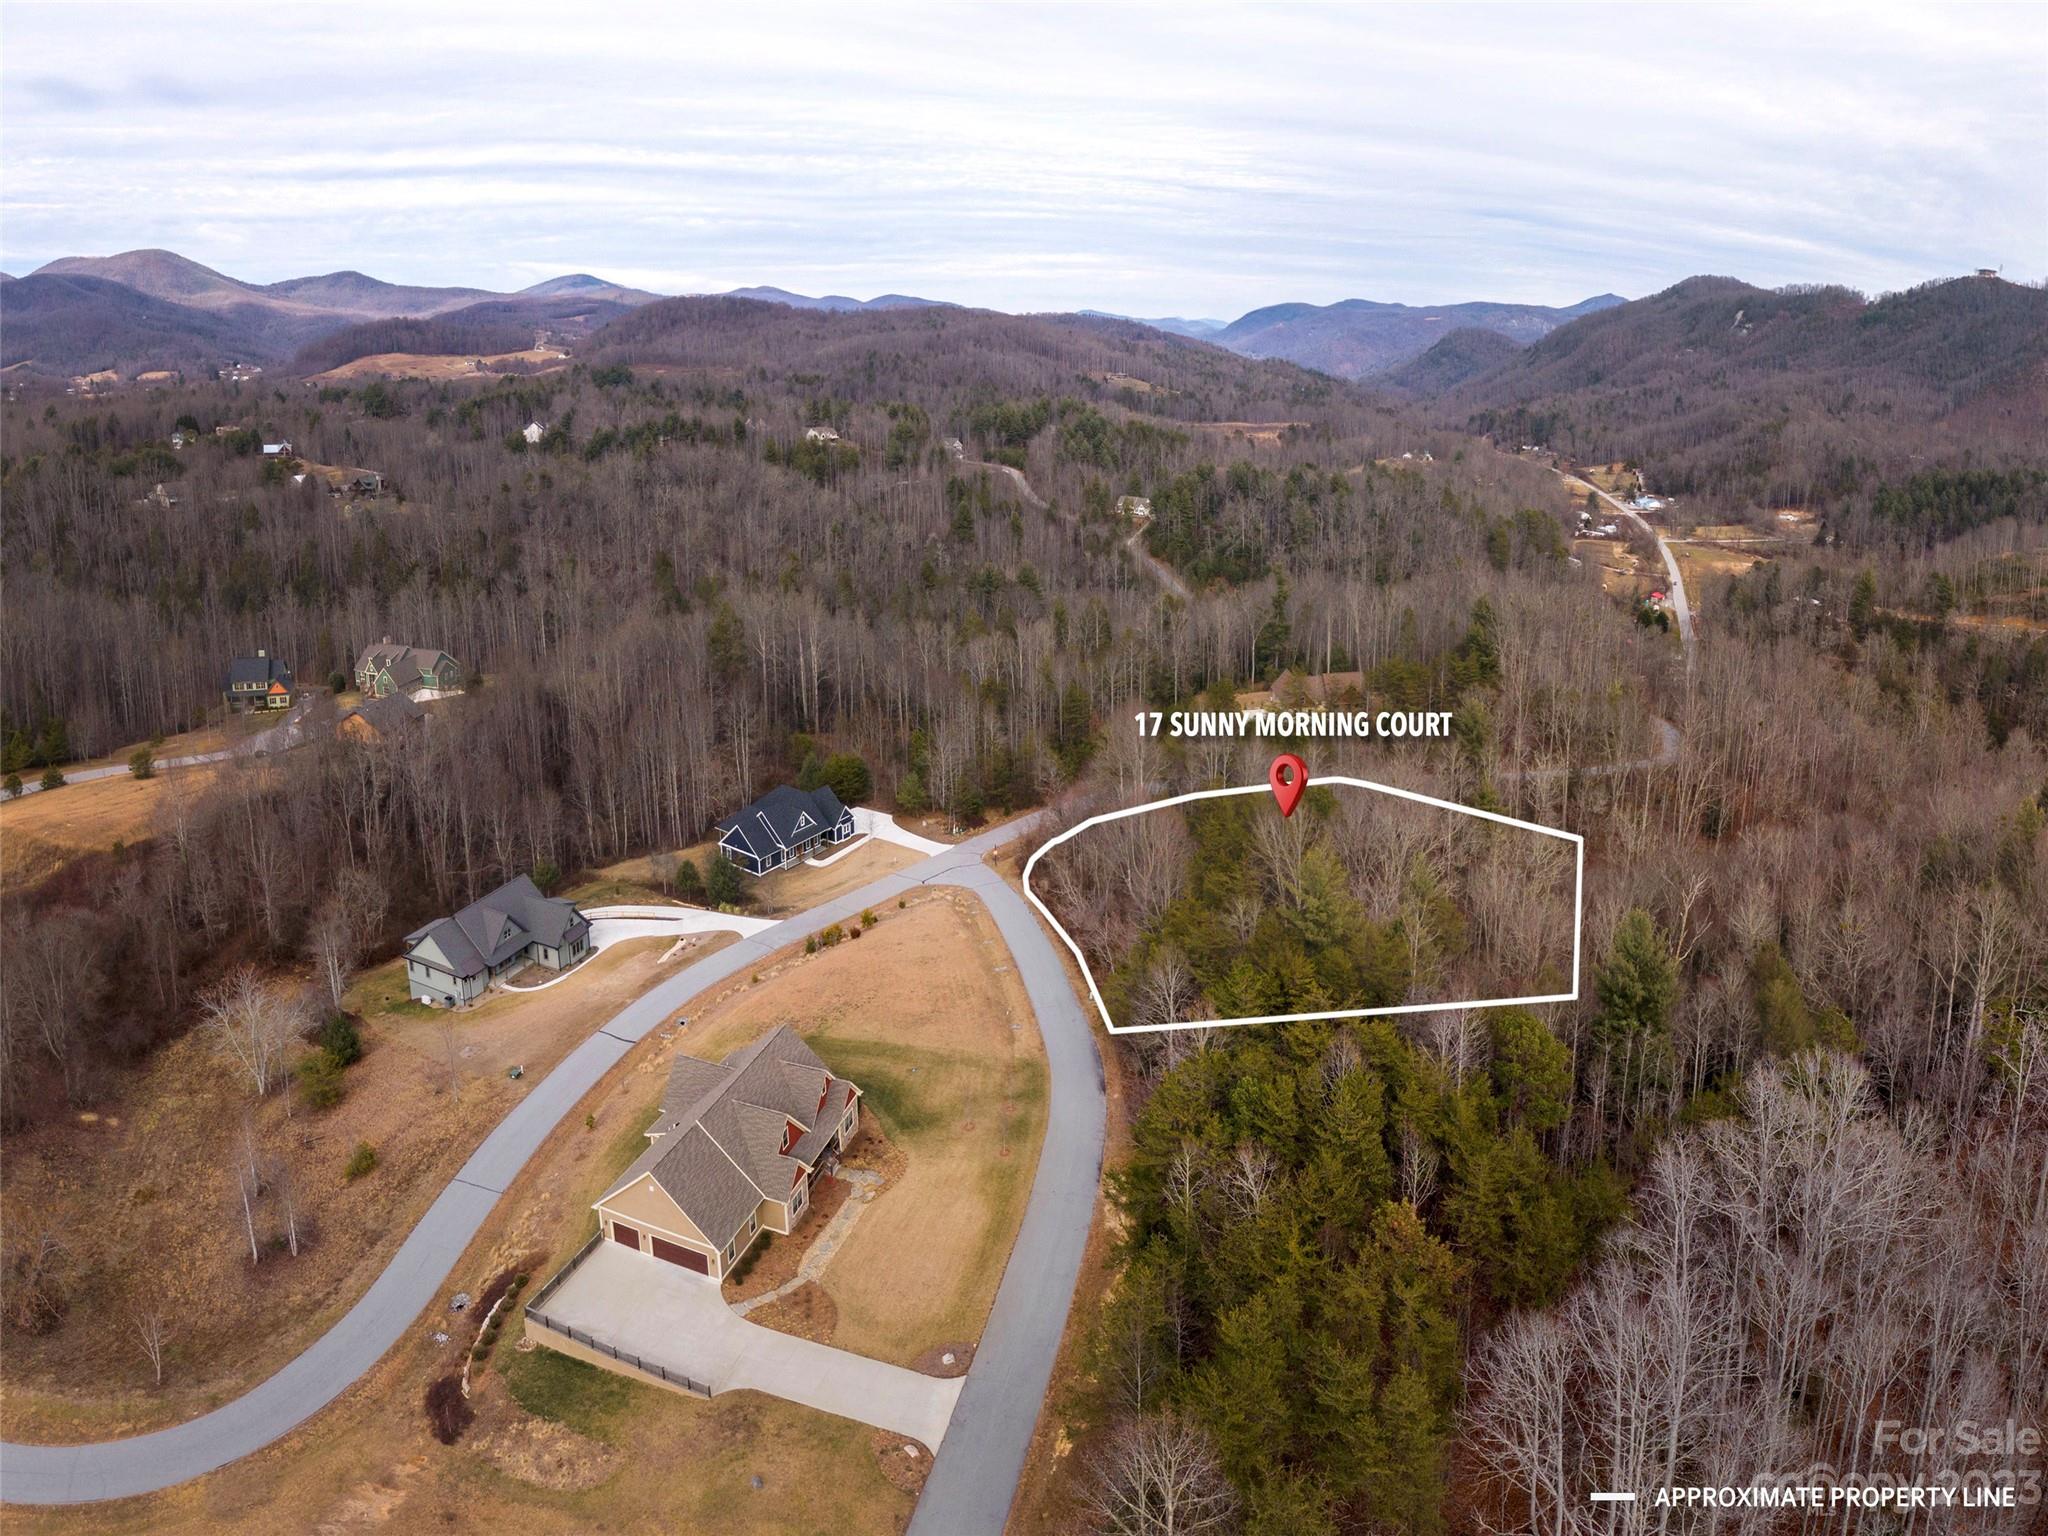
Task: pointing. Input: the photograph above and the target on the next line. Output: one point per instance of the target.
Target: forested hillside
(1810, 397)
(1367, 1276)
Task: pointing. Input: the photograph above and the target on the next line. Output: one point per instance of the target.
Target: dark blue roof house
(783, 826)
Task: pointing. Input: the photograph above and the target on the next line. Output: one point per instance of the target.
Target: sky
(1178, 160)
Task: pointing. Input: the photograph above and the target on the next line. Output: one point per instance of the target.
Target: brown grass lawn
(40, 833)
(925, 1013)
(143, 1194)
(1620, 570)
(557, 1446)
(785, 891)
(1705, 565)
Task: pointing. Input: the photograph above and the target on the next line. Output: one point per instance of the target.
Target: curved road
(975, 1474)
(1153, 566)
(1679, 605)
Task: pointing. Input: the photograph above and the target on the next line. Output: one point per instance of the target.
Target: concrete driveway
(660, 1312)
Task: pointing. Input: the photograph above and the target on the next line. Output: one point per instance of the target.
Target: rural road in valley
(287, 733)
(1679, 605)
(975, 1475)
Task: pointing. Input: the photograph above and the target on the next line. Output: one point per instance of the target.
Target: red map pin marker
(1289, 777)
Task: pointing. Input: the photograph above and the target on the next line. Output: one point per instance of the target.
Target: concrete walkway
(661, 1312)
(973, 1478)
(866, 1185)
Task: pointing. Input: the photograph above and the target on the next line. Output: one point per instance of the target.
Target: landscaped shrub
(12, 784)
(722, 882)
(320, 1084)
(448, 1411)
(142, 763)
(53, 777)
(689, 883)
(811, 945)
(340, 1038)
(361, 1161)
(832, 935)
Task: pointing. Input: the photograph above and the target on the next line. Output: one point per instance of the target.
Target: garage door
(621, 1233)
(675, 1253)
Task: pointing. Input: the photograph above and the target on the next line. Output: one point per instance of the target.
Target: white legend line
(1614, 1498)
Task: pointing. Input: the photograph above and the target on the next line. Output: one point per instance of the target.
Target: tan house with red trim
(735, 1150)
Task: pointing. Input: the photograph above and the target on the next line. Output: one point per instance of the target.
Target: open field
(1614, 479)
(153, 1174)
(1700, 563)
(1620, 571)
(925, 1013)
(436, 366)
(41, 832)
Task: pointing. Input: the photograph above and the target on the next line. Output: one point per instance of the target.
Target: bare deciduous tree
(255, 1024)
(1159, 1476)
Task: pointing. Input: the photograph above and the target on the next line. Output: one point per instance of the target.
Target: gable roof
(263, 669)
(407, 664)
(388, 714)
(494, 928)
(782, 818)
(741, 1108)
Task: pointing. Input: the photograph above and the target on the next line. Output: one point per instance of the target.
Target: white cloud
(1184, 160)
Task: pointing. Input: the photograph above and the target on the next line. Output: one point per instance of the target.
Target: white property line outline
(1577, 840)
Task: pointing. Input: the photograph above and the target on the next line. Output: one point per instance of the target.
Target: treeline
(1314, 1211)
(1750, 398)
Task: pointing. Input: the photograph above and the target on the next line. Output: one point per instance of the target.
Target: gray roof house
(417, 670)
(259, 682)
(735, 1150)
(456, 958)
(390, 718)
(783, 826)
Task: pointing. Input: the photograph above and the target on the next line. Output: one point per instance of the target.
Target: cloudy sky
(1177, 160)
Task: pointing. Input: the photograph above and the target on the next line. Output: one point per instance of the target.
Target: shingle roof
(784, 816)
(491, 930)
(407, 664)
(258, 669)
(741, 1107)
(390, 712)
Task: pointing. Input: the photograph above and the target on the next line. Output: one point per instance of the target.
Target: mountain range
(1357, 338)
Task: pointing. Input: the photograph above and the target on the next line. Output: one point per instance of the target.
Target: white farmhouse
(533, 433)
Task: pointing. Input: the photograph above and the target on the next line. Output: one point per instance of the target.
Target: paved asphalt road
(283, 736)
(975, 1475)
(1679, 605)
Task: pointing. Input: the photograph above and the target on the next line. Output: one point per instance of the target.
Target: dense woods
(1361, 1263)
(1748, 398)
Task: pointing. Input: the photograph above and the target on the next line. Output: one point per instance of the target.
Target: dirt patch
(905, 1463)
(946, 1359)
(429, 365)
(808, 1312)
(536, 1451)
